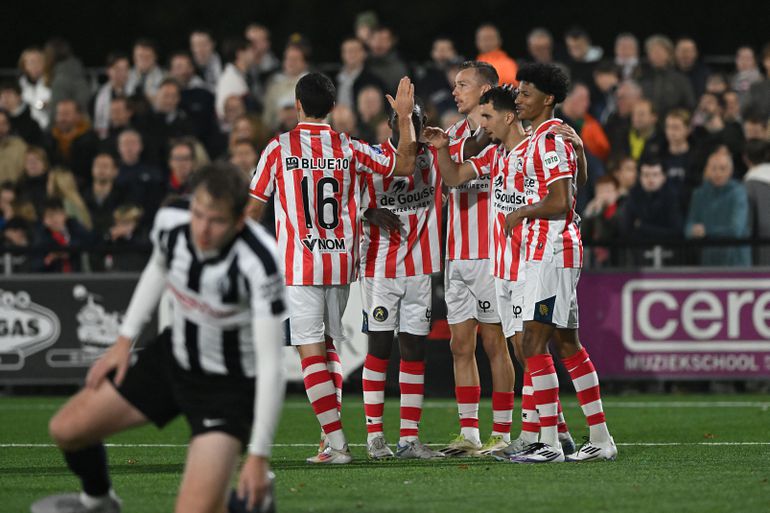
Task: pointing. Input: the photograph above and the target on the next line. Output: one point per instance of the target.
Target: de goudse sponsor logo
(721, 315)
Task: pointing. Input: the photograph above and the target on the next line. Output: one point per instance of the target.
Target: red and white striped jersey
(549, 158)
(505, 168)
(468, 229)
(313, 170)
(415, 249)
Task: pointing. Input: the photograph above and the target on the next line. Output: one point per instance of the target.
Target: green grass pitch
(677, 453)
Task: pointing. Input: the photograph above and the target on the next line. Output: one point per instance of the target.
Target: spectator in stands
(33, 184)
(118, 69)
(354, 75)
(249, 128)
(746, 73)
(244, 156)
(56, 235)
(643, 138)
(540, 45)
(181, 165)
(383, 60)
(755, 126)
(141, 181)
(574, 111)
(287, 114)
(364, 26)
(435, 82)
(732, 107)
(61, 185)
(19, 113)
(35, 85)
(265, 61)
(711, 130)
(126, 232)
(652, 212)
(581, 55)
(717, 83)
(167, 121)
(677, 157)
(121, 118)
(687, 62)
(490, 47)
(103, 197)
(606, 80)
(145, 77)
(12, 150)
(757, 183)
(618, 123)
(7, 199)
(627, 56)
(626, 173)
(759, 92)
(344, 120)
(206, 61)
(281, 85)
(720, 209)
(600, 220)
(196, 99)
(239, 57)
(371, 108)
(68, 78)
(16, 235)
(71, 143)
(665, 86)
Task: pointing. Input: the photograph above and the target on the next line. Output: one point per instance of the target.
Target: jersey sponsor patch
(551, 159)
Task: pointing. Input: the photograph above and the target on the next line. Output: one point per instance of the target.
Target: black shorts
(158, 387)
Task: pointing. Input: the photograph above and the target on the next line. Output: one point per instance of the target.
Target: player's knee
(463, 349)
(63, 431)
(187, 504)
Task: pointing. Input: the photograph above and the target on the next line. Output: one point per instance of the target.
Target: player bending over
(219, 364)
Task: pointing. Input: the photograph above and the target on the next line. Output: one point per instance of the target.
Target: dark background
(96, 28)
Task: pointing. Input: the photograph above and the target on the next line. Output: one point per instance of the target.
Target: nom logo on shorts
(25, 328)
(674, 315)
(380, 313)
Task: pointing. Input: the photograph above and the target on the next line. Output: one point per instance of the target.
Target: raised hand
(403, 104)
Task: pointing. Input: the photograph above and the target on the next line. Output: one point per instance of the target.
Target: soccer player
(469, 288)
(315, 174)
(553, 260)
(502, 162)
(400, 249)
(219, 364)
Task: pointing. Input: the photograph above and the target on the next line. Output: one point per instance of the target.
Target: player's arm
(452, 173)
(406, 152)
(556, 204)
(263, 180)
(570, 136)
(143, 303)
(475, 144)
(268, 312)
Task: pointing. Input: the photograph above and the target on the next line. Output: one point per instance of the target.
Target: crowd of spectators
(677, 149)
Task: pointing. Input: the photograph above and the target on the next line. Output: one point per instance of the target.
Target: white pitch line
(626, 444)
(609, 403)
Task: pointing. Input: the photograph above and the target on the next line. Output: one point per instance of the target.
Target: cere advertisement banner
(683, 325)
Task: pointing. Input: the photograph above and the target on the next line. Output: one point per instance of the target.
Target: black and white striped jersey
(215, 297)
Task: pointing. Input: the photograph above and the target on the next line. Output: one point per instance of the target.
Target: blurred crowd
(677, 150)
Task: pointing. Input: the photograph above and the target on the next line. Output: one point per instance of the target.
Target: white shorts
(316, 311)
(469, 291)
(401, 304)
(550, 294)
(510, 304)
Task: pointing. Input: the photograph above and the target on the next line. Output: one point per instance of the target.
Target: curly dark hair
(548, 78)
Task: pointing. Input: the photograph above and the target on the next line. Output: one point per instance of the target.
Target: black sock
(90, 465)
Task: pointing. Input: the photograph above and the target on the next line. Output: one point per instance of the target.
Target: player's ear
(550, 100)
(298, 106)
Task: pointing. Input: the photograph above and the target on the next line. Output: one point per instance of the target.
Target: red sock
(562, 424)
(468, 406)
(586, 382)
(546, 387)
(530, 421)
(375, 372)
(334, 365)
(320, 391)
(502, 412)
(411, 381)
